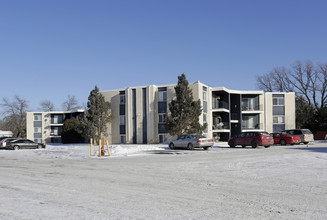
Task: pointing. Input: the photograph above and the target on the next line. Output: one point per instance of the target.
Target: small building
(138, 113)
(6, 134)
(46, 127)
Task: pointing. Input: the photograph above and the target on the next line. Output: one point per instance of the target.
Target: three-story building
(139, 112)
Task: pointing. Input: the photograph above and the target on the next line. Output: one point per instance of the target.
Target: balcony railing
(55, 134)
(221, 126)
(252, 108)
(221, 104)
(246, 126)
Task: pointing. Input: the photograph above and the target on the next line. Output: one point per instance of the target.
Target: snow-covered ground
(154, 182)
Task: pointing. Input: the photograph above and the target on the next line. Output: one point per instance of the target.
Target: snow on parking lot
(154, 182)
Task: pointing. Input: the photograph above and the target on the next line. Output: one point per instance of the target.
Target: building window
(122, 119)
(205, 108)
(204, 93)
(278, 100)
(250, 122)
(123, 139)
(37, 117)
(278, 119)
(37, 130)
(122, 99)
(162, 138)
(278, 112)
(162, 96)
(204, 118)
(57, 119)
(250, 104)
(56, 131)
(162, 118)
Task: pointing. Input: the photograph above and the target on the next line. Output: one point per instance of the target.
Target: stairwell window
(122, 99)
(123, 139)
(162, 118)
(122, 119)
(162, 96)
(278, 112)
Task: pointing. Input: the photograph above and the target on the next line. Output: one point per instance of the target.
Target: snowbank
(74, 151)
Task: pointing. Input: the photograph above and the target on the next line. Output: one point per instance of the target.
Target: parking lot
(153, 182)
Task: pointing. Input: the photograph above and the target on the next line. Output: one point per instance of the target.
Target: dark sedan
(24, 144)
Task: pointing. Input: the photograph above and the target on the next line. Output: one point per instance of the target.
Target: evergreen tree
(97, 116)
(70, 132)
(304, 113)
(184, 111)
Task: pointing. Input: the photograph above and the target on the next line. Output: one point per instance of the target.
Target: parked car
(191, 141)
(3, 137)
(283, 138)
(4, 141)
(305, 135)
(253, 139)
(23, 144)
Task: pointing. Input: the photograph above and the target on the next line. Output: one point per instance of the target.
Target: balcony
(252, 108)
(55, 134)
(251, 126)
(220, 105)
(57, 122)
(221, 126)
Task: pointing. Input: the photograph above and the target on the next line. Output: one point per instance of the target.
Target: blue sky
(50, 49)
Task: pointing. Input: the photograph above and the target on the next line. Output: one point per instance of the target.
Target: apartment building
(139, 112)
(46, 127)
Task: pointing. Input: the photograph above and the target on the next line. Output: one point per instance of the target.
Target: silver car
(23, 144)
(191, 141)
(4, 141)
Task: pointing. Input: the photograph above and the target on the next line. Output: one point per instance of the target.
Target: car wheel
(190, 146)
(254, 144)
(231, 144)
(16, 147)
(282, 142)
(205, 148)
(171, 146)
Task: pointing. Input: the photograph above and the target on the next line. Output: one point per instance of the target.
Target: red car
(283, 138)
(253, 139)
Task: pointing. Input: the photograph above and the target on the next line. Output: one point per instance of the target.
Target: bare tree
(265, 82)
(14, 113)
(71, 104)
(308, 81)
(305, 79)
(275, 80)
(47, 106)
